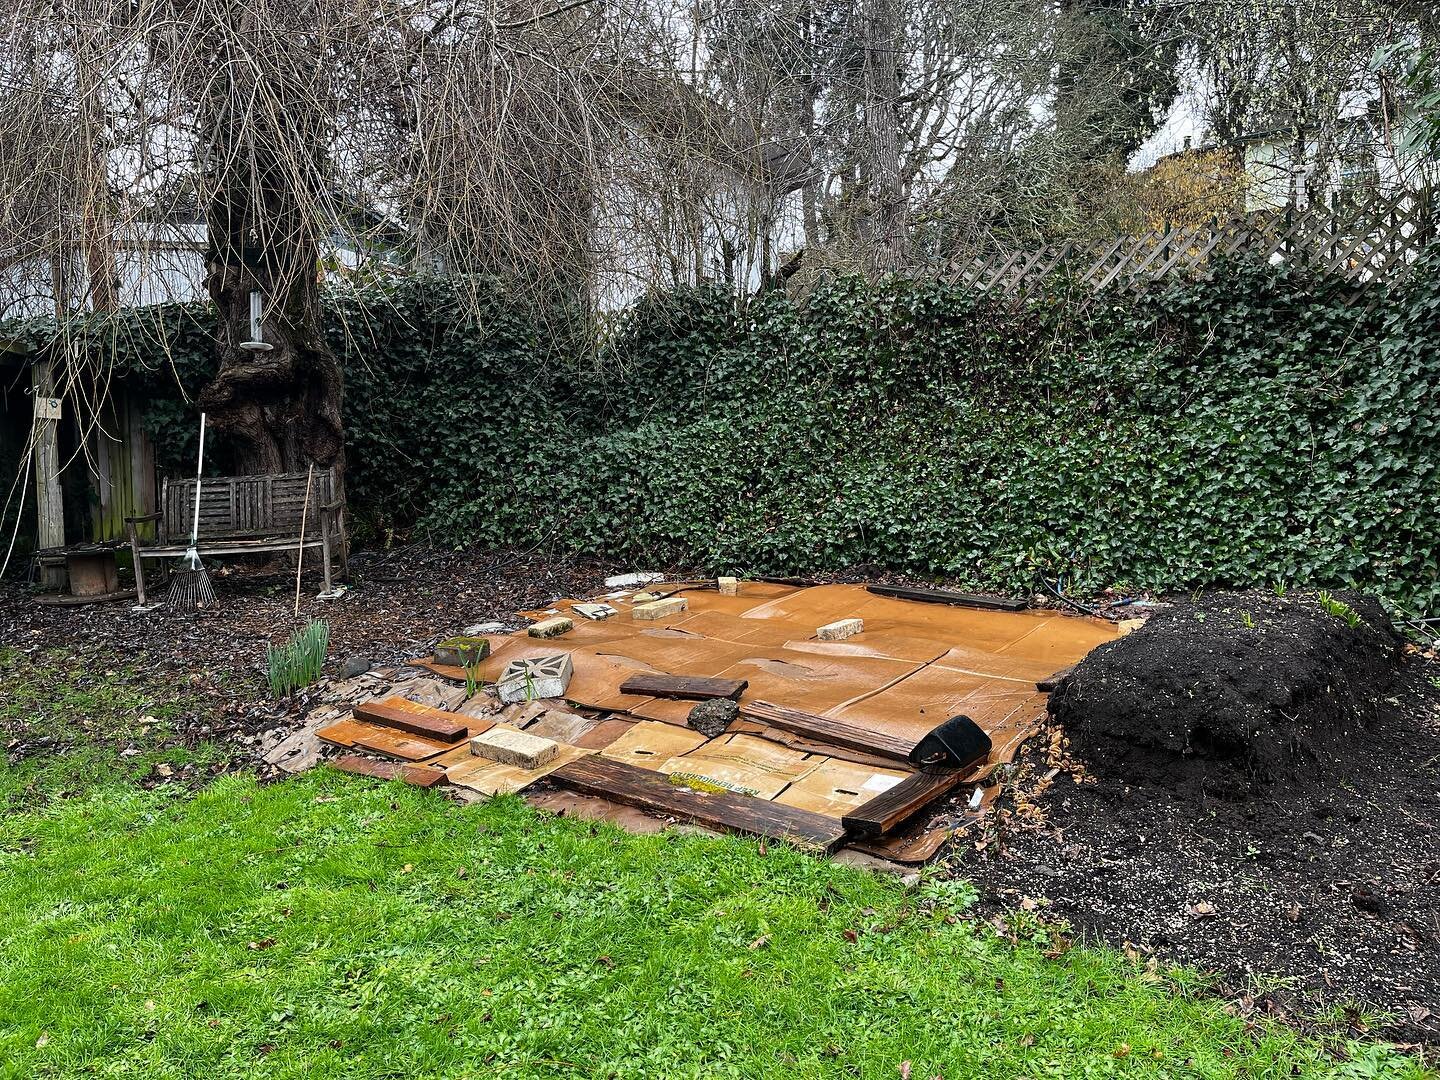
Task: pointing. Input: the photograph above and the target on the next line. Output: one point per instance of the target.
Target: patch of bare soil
(1268, 811)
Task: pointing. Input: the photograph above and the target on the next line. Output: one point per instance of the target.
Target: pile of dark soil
(1221, 693)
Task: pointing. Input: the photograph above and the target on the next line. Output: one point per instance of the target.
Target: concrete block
(659, 609)
(840, 629)
(462, 651)
(514, 748)
(728, 586)
(548, 628)
(538, 677)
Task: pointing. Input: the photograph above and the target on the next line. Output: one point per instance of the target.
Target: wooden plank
(653, 791)
(380, 740)
(825, 730)
(419, 775)
(683, 686)
(947, 596)
(416, 719)
(903, 801)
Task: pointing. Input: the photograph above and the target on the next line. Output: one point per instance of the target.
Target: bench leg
(139, 566)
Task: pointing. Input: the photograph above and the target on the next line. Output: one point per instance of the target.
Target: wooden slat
(683, 686)
(903, 801)
(825, 730)
(633, 786)
(946, 596)
(416, 719)
(419, 775)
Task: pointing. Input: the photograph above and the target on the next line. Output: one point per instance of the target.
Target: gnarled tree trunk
(265, 161)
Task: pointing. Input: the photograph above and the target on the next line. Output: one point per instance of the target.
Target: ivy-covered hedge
(1251, 429)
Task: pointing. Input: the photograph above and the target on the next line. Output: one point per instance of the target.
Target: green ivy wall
(1252, 429)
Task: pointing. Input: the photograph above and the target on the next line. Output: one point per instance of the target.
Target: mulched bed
(1321, 884)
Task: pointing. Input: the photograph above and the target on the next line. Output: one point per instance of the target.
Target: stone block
(462, 651)
(510, 747)
(535, 678)
(728, 586)
(840, 629)
(549, 628)
(659, 609)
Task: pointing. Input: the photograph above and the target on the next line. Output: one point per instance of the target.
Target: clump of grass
(298, 662)
(1339, 609)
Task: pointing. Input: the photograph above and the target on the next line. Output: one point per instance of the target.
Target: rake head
(190, 584)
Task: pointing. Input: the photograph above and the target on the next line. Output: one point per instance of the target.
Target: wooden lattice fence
(1375, 243)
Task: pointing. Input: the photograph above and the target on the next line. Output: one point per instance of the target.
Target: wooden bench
(242, 515)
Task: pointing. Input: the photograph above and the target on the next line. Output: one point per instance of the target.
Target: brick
(537, 677)
(840, 629)
(548, 628)
(510, 747)
(659, 609)
(728, 586)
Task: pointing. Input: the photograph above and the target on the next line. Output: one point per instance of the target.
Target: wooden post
(49, 506)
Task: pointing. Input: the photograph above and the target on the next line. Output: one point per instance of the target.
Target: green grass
(333, 926)
(70, 722)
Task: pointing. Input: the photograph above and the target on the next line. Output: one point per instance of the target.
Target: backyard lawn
(331, 926)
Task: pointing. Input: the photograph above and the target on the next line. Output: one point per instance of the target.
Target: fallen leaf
(851, 936)
(760, 942)
(42, 1040)
(904, 1070)
(407, 868)
(460, 872)
(1204, 909)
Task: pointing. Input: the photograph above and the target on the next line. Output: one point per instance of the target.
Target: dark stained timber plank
(825, 730)
(419, 775)
(415, 720)
(683, 686)
(633, 786)
(904, 800)
(946, 596)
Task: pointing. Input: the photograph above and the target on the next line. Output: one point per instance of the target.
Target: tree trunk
(279, 408)
(882, 130)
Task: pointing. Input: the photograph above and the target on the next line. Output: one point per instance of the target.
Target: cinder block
(594, 611)
(538, 677)
(659, 609)
(514, 748)
(462, 651)
(548, 628)
(728, 586)
(840, 629)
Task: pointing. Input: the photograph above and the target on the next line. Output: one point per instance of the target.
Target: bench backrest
(242, 506)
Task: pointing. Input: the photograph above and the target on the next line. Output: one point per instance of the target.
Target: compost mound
(1229, 692)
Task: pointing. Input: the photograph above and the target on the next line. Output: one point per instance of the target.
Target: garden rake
(190, 584)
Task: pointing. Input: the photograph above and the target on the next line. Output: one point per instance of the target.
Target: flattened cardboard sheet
(650, 744)
(836, 787)
(755, 766)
